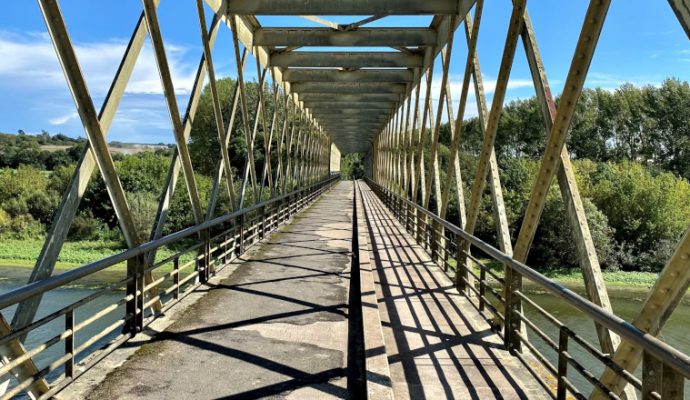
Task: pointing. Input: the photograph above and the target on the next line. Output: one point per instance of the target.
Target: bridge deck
(277, 326)
(438, 345)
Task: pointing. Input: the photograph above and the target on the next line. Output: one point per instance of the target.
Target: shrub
(143, 206)
(41, 206)
(554, 247)
(84, 227)
(24, 227)
(5, 220)
(645, 210)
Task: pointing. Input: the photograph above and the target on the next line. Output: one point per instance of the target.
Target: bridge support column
(137, 295)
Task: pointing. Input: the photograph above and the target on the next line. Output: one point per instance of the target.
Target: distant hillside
(51, 151)
(115, 147)
(43, 138)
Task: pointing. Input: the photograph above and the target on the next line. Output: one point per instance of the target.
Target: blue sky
(642, 43)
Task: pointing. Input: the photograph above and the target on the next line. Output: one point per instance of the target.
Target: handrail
(33, 289)
(657, 348)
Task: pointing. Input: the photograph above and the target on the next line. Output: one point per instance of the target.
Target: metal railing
(215, 243)
(664, 370)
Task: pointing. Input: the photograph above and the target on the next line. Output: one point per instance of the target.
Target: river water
(676, 332)
(56, 299)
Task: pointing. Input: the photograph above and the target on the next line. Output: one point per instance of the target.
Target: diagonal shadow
(394, 230)
(299, 377)
(406, 262)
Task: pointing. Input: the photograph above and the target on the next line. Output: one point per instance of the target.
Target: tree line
(631, 151)
(33, 178)
(631, 154)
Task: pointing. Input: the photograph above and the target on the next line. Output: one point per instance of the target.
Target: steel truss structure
(376, 102)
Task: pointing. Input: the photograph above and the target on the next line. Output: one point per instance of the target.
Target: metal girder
(169, 94)
(349, 87)
(217, 113)
(357, 111)
(219, 170)
(69, 204)
(347, 7)
(354, 97)
(250, 171)
(370, 37)
(352, 121)
(515, 27)
(336, 75)
(682, 10)
(24, 371)
(423, 131)
(346, 59)
(596, 15)
(667, 292)
(335, 121)
(435, 128)
(346, 120)
(340, 105)
(587, 255)
(170, 184)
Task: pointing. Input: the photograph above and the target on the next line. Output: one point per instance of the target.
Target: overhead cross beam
(367, 37)
(339, 75)
(340, 105)
(349, 87)
(346, 59)
(345, 7)
(362, 114)
(354, 97)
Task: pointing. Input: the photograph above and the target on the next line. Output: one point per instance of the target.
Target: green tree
(644, 208)
(352, 166)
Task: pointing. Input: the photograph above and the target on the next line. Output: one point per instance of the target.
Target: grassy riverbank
(17, 258)
(21, 255)
(633, 285)
(621, 284)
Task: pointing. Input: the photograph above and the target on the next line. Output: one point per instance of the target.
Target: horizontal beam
(322, 37)
(349, 87)
(344, 7)
(348, 121)
(336, 75)
(360, 113)
(321, 59)
(321, 105)
(320, 112)
(353, 118)
(355, 97)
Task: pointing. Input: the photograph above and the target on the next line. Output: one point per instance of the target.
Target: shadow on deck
(276, 323)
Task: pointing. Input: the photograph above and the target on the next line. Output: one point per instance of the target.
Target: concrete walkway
(276, 327)
(438, 345)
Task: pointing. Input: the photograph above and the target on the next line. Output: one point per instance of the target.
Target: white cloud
(30, 62)
(30, 71)
(62, 120)
(489, 85)
(608, 81)
(456, 92)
